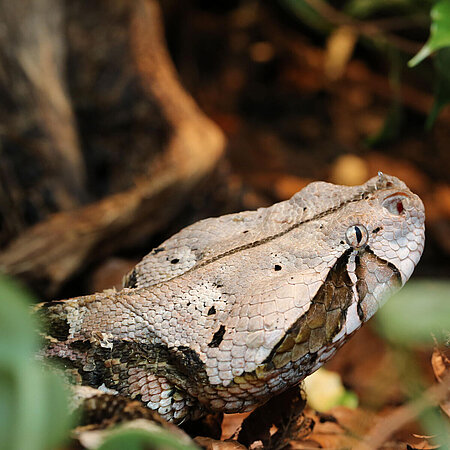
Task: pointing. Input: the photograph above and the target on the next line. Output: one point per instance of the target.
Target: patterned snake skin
(233, 310)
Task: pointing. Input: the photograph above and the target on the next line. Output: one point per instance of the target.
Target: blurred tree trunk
(146, 142)
(41, 167)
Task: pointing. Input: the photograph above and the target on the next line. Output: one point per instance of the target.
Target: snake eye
(396, 203)
(356, 236)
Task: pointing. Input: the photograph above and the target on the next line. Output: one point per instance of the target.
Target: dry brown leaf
(276, 422)
(209, 426)
(422, 445)
(231, 424)
(347, 428)
(212, 444)
(306, 444)
(441, 368)
(341, 428)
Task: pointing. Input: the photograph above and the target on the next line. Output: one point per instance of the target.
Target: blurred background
(122, 122)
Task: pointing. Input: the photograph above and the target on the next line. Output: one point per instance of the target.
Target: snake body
(233, 310)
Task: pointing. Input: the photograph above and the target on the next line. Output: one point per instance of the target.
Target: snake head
(389, 240)
(401, 237)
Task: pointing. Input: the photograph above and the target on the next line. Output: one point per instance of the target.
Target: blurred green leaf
(442, 91)
(393, 123)
(14, 310)
(439, 32)
(348, 399)
(415, 314)
(391, 127)
(33, 404)
(366, 8)
(436, 425)
(307, 15)
(324, 390)
(144, 440)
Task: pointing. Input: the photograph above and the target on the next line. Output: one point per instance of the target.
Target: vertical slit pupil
(399, 207)
(358, 234)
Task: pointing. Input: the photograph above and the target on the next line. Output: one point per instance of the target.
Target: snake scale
(232, 310)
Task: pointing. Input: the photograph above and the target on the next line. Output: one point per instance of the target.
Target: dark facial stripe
(327, 312)
(361, 286)
(394, 269)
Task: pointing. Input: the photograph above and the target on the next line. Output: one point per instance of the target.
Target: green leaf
(436, 425)
(143, 440)
(418, 312)
(17, 329)
(33, 404)
(439, 32)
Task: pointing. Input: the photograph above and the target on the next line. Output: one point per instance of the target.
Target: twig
(404, 414)
(368, 29)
